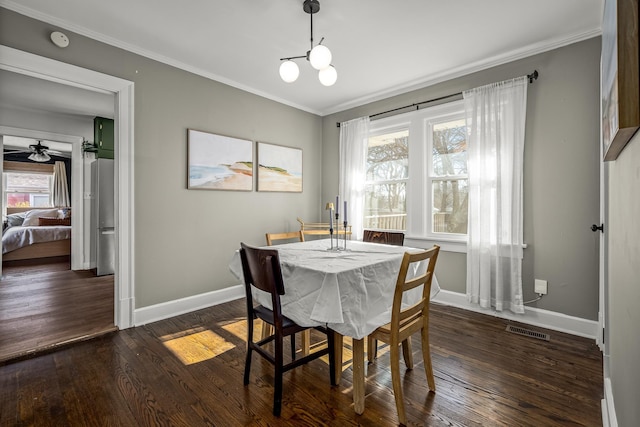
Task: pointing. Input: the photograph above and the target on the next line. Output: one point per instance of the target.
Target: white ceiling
(380, 47)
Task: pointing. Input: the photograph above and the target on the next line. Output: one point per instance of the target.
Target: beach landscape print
(279, 168)
(219, 162)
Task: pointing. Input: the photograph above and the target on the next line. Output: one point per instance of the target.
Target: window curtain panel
(60, 189)
(354, 135)
(495, 119)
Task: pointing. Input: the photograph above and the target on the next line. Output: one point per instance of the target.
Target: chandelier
(319, 56)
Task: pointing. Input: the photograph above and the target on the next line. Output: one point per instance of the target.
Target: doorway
(51, 70)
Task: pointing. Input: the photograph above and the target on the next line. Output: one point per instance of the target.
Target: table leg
(337, 352)
(358, 375)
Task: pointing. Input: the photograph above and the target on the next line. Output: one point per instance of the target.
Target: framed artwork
(620, 76)
(217, 162)
(279, 168)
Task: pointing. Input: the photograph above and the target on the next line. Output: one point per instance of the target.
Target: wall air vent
(528, 333)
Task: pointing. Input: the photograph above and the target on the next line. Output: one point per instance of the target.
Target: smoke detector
(59, 39)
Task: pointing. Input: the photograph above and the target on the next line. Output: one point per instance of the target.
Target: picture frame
(620, 76)
(279, 168)
(218, 162)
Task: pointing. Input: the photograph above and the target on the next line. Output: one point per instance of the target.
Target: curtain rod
(533, 76)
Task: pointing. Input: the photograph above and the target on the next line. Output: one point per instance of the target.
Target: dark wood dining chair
(288, 237)
(407, 321)
(387, 237)
(261, 269)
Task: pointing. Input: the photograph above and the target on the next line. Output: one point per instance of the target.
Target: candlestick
(345, 213)
(345, 232)
(330, 219)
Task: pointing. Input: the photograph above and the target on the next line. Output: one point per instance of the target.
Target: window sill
(446, 245)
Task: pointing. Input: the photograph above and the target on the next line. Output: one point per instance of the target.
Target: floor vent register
(528, 333)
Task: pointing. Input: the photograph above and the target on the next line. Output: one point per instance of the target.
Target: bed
(32, 233)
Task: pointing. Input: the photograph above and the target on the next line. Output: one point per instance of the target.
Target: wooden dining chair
(266, 329)
(387, 237)
(407, 321)
(293, 235)
(261, 269)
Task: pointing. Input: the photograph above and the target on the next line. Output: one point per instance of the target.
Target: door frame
(48, 69)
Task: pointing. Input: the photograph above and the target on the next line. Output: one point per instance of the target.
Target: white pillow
(31, 217)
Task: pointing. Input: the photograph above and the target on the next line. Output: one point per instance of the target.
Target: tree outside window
(386, 181)
(449, 178)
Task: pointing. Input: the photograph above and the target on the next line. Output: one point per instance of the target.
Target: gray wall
(623, 231)
(184, 239)
(560, 173)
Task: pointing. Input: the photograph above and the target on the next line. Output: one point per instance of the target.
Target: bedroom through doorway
(50, 294)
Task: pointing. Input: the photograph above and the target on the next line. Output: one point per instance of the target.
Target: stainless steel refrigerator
(103, 216)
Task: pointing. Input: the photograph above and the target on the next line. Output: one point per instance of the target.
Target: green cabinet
(103, 132)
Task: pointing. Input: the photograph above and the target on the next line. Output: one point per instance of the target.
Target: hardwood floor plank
(485, 376)
(44, 306)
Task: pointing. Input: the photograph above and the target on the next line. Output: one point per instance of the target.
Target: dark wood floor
(45, 305)
(187, 371)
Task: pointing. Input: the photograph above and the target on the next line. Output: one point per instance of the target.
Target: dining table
(350, 291)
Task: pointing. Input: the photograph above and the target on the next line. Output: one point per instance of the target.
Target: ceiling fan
(39, 152)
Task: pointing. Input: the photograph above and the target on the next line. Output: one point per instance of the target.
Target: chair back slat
(293, 235)
(404, 318)
(387, 237)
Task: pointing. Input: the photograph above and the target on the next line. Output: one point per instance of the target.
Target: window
(448, 177)
(386, 181)
(417, 174)
(27, 189)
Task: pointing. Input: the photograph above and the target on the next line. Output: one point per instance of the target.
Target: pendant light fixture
(319, 56)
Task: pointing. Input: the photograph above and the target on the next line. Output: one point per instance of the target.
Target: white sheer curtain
(60, 188)
(495, 116)
(354, 135)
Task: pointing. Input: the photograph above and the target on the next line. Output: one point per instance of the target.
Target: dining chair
(261, 269)
(388, 237)
(407, 321)
(293, 235)
(266, 329)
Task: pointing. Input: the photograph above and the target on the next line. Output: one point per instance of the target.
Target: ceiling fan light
(289, 71)
(328, 76)
(320, 57)
(39, 157)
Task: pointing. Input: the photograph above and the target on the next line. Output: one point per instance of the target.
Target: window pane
(388, 156)
(387, 172)
(449, 148)
(385, 206)
(450, 202)
(27, 189)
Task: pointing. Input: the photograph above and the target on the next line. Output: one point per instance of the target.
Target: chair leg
(426, 356)
(267, 330)
(331, 343)
(293, 346)
(247, 361)
(277, 387)
(372, 349)
(407, 353)
(306, 342)
(397, 386)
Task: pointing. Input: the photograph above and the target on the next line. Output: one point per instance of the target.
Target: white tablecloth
(350, 291)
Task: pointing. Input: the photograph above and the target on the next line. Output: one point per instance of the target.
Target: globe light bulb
(289, 71)
(328, 76)
(320, 57)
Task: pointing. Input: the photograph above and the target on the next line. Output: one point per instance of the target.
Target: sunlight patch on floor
(197, 346)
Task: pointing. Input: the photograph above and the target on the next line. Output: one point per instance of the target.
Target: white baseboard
(609, 418)
(532, 316)
(177, 307)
